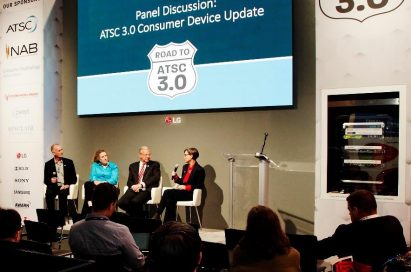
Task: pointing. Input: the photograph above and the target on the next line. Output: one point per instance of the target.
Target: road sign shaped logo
(172, 69)
(357, 10)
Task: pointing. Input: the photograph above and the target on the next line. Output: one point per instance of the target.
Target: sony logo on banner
(21, 180)
(29, 25)
(21, 50)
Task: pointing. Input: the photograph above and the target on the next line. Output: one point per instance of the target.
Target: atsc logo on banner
(172, 69)
(29, 26)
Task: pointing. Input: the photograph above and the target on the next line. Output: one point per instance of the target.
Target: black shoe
(156, 216)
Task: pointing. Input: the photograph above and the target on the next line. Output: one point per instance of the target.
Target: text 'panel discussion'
(205, 135)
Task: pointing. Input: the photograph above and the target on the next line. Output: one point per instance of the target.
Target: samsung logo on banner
(21, 50)
(29, 26)
(20, 192)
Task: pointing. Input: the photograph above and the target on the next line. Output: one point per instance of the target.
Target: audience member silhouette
(264, 247)
(10, 232)
(370, 239)
(97, 236)
(175, 246)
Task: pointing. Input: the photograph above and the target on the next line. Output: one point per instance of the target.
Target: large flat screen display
(146, 56)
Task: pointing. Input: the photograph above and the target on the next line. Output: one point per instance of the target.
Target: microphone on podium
(261, 155)
(175, 170)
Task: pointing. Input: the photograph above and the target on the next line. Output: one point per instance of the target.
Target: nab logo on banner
(172, 69)
(21, 50)
(29, 25)
(356, 9)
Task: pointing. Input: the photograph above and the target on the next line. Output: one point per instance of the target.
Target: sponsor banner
(21, 105)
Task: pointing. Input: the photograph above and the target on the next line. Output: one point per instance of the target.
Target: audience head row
(10, 225)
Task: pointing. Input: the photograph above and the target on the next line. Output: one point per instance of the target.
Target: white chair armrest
(73, 194)
(83, 192)
(197, 197)
(155, 195)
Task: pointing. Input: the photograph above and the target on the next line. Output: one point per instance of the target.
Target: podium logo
(22, 50)
(29, 25)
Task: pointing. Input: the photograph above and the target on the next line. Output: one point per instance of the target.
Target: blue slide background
(233, 82)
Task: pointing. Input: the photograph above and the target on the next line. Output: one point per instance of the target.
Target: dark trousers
(88, 194)
(51, 193)
(133, 202)
(169, 202)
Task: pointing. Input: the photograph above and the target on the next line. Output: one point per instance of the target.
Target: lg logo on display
(30, 25)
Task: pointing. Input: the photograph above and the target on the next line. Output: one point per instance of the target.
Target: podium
(250, 162)
(244, 171)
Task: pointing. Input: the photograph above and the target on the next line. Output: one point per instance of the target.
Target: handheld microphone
(175, 169)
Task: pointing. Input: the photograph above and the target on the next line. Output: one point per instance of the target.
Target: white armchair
(197, 193)
(73, 192)
(155, 193)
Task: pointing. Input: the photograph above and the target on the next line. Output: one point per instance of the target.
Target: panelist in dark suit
(59, 173)
(193, 176)
(142, 177)
(370, 239)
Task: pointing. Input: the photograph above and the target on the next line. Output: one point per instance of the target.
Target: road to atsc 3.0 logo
(172, 69)
(358, 10)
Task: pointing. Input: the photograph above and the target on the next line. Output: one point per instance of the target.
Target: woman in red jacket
(192, 177)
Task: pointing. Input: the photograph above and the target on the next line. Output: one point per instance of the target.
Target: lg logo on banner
(358, 10)
(21, 155)
(29, 25)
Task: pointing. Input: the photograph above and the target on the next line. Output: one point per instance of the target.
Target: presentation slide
(150, 56)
